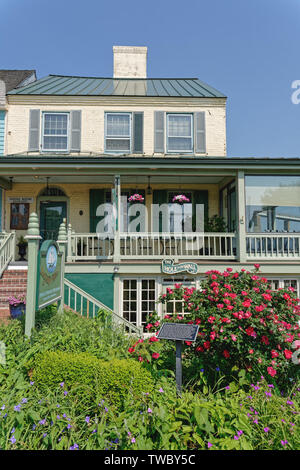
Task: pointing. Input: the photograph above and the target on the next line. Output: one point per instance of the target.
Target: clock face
(51, 259)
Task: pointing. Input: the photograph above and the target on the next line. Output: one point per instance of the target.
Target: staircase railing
(86, 305)
(7, 250)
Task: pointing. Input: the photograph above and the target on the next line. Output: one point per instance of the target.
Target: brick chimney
(130, 62)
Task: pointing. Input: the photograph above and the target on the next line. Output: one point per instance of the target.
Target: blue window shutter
(138, 131)
(34, 130)
(75, 137)
(159, 132)
(200, 141)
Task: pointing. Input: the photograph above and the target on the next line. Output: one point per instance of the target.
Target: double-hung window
(180, 133)
(118, 132)
(55, 134)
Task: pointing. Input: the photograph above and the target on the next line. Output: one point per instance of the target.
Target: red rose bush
(242, 324)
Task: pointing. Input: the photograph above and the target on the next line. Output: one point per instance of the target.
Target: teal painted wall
(100, 286)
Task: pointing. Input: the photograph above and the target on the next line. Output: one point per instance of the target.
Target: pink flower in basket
(136, 198)
(180, 198)
(17, 300)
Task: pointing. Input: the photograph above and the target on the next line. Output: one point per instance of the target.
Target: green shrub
(87, 376)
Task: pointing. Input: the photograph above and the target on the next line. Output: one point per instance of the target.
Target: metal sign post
(178, 332)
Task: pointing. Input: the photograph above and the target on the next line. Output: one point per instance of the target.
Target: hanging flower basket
(17, 305)
(180, 199)
(136, 198)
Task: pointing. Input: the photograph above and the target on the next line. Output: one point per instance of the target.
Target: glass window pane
(179, 126)
(118, 125)
(272, 203)
(179, 143)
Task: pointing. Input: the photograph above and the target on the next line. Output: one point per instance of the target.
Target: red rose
(226, 354)
(131, 350)
(155, 355)
(206, 344)
(288, 354)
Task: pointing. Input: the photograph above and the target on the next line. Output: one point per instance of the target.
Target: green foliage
(86, 375)
(243, 325)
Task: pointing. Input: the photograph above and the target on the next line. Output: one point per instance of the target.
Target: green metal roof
(93, 86)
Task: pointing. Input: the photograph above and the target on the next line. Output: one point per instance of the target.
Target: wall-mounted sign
(169, 267)
(20, 200)
(49, 280)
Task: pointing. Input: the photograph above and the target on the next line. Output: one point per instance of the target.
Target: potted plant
(136, 198)
(22, 245)
(17, 305)
(180, 199)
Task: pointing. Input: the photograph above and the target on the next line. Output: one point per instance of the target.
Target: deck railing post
(117, 212)
(62, 242)
(69, 243)
(241, 218)
(33, 237)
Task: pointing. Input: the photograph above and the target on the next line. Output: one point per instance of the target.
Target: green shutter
(200, 143)
(200, 197)
(138, 121)
(96, 199)
(160, 196)
(159, 132)
(34, 130)
(75, 137)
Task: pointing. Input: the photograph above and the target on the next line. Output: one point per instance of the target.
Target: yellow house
(81, 148)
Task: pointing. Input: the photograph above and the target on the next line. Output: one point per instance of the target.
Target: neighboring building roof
(93, 86)
(15, 78)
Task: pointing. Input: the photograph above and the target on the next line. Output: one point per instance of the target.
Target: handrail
(7, 250)
(95, 304)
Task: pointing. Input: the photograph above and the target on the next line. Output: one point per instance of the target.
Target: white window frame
(185, 137)
(139, 299)
(106, 136)
(282, 279)
(68, 132)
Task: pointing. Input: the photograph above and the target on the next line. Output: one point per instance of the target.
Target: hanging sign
(168, 267)
(49, 278)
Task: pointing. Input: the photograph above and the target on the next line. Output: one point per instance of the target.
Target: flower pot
(16, 311)
(22, 251)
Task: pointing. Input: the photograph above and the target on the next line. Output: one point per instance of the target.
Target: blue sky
(248, 49)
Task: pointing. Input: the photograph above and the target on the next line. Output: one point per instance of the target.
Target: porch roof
(74, 168)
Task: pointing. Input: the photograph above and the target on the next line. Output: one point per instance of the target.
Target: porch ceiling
(125, 179)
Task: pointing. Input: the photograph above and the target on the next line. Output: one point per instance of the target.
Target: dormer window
(118, 132)
(55, 132)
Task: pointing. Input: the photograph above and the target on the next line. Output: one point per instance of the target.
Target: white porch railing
(90, 246)
(7, 250)
(273, 245)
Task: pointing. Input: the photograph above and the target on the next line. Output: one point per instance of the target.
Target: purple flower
(149, 410)
(133, 440)
(17, 408)
(24, 400)
(74, 447)
(45, 435)
(62, 384)
(161, 390)
(69, 426)
(42, 422)
(65, 393)
(13, 440)
(266, 429)
(87, 419)
(283, 443)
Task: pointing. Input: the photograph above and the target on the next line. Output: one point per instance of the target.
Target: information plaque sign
(178, 332)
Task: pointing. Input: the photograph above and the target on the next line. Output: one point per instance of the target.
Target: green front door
(52, 214)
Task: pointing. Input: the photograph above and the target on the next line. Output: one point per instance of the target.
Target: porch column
(241, 217)
(117, 214)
